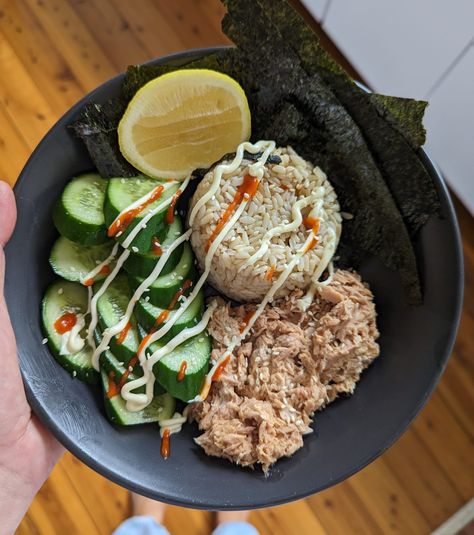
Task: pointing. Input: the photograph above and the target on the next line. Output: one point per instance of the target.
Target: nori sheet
(326, 133)
(298, 95)
(98, 130)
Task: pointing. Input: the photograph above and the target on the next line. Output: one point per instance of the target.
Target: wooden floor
(54, 51)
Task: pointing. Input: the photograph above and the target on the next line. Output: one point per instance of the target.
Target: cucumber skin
(146, 416)
(141, 266)
(124, 352)
(147, 321)
(88, 375)
(108, 362)
(156, 226)
(128, 349)
(161, 295)
(77, 231)
(191, 385)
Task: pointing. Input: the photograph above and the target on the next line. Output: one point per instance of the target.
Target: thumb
(7, 212)
(7, 223)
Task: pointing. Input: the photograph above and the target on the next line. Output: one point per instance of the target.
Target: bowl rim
(135, 486)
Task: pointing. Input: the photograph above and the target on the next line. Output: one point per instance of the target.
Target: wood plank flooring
(51, 53)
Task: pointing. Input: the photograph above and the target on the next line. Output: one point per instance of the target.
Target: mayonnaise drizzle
(144, 199)
(175, 423)
(112, 331)
(256, 169)
(282, 229)
(127, 242)
(237, 340)
(329, 250)
(92, 274)
(137, 402)
(118, 327)
(71, 341)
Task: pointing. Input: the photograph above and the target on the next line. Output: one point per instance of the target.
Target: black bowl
(415, 345)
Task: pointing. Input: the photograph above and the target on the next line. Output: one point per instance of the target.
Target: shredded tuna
(291, 365)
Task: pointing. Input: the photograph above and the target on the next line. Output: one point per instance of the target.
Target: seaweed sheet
(298, 95)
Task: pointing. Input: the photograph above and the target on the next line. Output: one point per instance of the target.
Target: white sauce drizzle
(175, 423)
(108, 333)
(329, 250)
(256, 169)
(92, 274)
(282, 229)
(137, 402)
(118, 327)
(71, 341)
(237, 340)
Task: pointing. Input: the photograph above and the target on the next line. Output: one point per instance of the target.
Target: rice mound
(281, 186)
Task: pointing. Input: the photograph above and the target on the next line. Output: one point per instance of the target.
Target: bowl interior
(415, 344)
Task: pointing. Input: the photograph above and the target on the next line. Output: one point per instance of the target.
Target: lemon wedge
(183, 120)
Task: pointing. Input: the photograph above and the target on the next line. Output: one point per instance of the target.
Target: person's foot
(232, 516)
(142, 506)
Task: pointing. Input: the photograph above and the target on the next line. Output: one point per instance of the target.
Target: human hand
(27, 451)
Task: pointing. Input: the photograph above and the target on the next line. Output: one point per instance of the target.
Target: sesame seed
(135, 249)
(147, 298)
(60, 291)
(130, 369)
(74, 373)
(143, 225)
(119, 233)
(44, 341)
(122, 180)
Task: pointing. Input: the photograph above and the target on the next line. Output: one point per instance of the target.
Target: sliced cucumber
(79, 212)
(142, 265)
(196, 352)
(164, 288)
(61, 297)
(112, 365)
(73, 262)
(161, 408)
(122, 192)
(111, 307)
(146, 315)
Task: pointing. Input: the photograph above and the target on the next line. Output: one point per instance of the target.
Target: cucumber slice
(79, 214)
(161, 408)
(61, 297)
(146, 315)
(164, 288)
(142, 265)
(111, 307)
(122, 192)
(73, 262)
(196, 352)
(110, 364)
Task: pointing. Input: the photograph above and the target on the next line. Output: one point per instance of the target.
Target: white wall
(422, 49)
